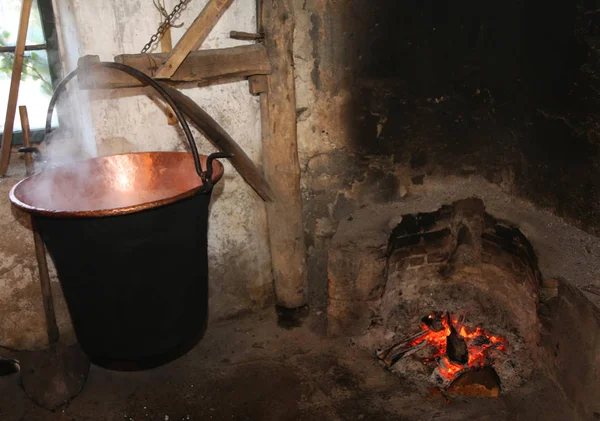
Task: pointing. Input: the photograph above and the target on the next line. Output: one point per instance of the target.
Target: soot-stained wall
(394, 96)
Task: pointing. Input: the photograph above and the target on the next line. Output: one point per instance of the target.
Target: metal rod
(40, 249)
(40, 255)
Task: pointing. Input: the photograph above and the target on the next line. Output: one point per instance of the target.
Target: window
(41, 65)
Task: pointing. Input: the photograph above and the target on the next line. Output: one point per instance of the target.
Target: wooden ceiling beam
(200, 68)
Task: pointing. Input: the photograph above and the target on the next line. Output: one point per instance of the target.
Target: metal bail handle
(205, 175)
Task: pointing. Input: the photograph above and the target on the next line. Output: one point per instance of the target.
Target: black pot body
(136, 285)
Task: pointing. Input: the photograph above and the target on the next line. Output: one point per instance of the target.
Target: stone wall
(398, 98)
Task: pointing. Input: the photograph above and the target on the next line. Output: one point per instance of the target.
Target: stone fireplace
(458, 260)
(446, 150)
(394, 276)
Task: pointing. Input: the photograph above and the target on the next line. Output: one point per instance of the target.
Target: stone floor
(256, 368)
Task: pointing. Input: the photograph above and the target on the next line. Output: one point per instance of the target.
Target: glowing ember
(478, 342)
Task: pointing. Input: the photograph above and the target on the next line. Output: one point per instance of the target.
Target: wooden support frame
(13, 93)
(200, 68)
(221, 139)
(270, 71)
(193, 37)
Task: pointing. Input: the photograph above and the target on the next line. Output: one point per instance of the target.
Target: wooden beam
(258, 84)
(203, 68)
(280, 158)
(224, 142)
(166, 45)
(13, 93)
(193, 37)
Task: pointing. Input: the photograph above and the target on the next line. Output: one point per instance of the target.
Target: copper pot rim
(34, 210)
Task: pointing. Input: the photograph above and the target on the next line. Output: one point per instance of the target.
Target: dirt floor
(255, 368)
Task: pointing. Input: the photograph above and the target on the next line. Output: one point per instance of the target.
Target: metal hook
(206, 175)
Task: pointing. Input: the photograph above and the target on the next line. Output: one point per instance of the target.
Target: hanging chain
(164, 25)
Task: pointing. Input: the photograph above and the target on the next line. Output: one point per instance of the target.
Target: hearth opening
(448, 300)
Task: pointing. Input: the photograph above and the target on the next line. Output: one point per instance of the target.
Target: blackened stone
(417, 179)
(438, 257)
(399, 254)
(8, 367)
(417, 261)
(419, 159)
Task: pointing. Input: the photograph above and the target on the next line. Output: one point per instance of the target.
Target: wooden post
(13, 93)
(280, 158)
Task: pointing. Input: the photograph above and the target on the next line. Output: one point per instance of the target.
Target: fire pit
(453, 347)
(447, 299)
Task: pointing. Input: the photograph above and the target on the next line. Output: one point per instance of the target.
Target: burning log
(482, 382)
(447, 369)
(456, 349)
(434, 321)
(393, 358)
(402, 349)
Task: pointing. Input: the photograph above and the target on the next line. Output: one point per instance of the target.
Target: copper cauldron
(128, 236)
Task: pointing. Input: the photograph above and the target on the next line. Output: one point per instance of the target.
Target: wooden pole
(13, 94)
(26, 139)
(40, 249)
(280, 158)
(221, 139)
(166, 46)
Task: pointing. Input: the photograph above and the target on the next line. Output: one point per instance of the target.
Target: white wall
(240, 268)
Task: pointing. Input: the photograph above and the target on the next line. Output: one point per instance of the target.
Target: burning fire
(477, 341)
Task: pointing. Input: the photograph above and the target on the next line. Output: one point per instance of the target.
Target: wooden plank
(223, 141)
(202, 68)
(13, 93)
(280, 158)
(193, 37)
